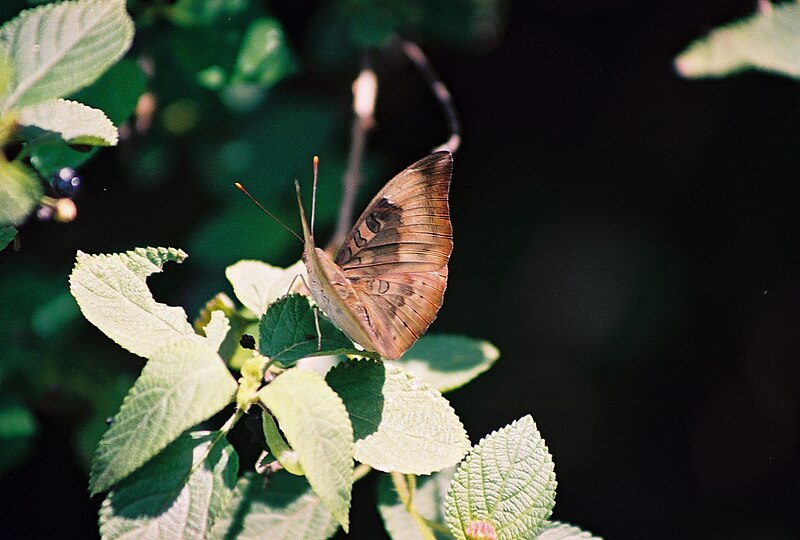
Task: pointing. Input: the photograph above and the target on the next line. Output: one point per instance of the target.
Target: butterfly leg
(316, 324)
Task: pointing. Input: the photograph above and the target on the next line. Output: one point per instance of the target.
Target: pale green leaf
(183, 383)
(7, 235)
(283, 508)
(73, 122)
(428, 500)
(56, 49)
(315, 423)
(216, 329)
(286, 455)
(447, 362)
(265, 57)
(20, 192)
(178, 494)
(564, 531)
(112, 294)
(400, 423)
(507, 481)
(257, 284)
(768, 41)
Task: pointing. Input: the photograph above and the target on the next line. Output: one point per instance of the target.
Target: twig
(440, 91)
(365, 92)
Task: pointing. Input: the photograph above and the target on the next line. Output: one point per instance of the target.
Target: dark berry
(247, 342)
(66, 182)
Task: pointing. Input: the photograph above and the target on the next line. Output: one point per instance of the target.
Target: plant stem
(405, 490)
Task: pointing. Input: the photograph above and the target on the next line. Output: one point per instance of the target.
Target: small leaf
(283, 509)
(74, 122)
(112, 294)
(288, 332)
(216, 329)
(400, 424)
(315, 423)
(49, 158)
(768, 41)
(264, 57)
(286, 456)
(56, 49)
(178, 494)
(564, 531)
(18, 427)
(183, 383)
(257, 284)
(116, 92)
(507, 481)
(7, 235)
(428, 500)
(447, 362)
(20, 192)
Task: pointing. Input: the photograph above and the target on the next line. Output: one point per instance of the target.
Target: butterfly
(386, 284)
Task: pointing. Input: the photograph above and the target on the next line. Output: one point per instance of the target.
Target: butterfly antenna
(240, 187)
(314, 194)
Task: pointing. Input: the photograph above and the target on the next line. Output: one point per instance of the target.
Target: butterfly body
(386, 284)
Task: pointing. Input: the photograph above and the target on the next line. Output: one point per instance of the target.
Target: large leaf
(428, 501)
(315, 423)
(56, 49)
(399, 423)
(506, 484)
(288, 332)
(768, 41)
(564, 531)
(284, 509)
(258, 284)
(447, 362)
(20, 192)
(73, 122)
(178, 494)
(112, 294)
(183, 383)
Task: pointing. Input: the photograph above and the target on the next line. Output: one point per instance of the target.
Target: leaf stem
(405, 485)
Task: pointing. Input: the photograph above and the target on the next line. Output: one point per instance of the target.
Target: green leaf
(428, 500)
(73, 122)
(400, 424)
(183, 383)
(18, 427)
(204, 12)
(283, 509)
(257, 284)
(288, 332)
(264, 57)
(564, 531)
(116, 92)
(58, 48)
(507, 481)
(112, 294)
(178, 494)
(216, 329)
(20, 192)
(48, 159)
(315, 423)
(447, 362)
(768, 41)
(7, 235)
(286, 456)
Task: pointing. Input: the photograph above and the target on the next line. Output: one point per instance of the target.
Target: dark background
(628, 239)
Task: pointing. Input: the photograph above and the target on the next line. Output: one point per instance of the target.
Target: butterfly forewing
(397, 253)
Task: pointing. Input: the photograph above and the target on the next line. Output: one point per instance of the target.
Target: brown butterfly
(386, 284)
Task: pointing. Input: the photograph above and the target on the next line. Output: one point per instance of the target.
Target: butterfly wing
(396, 255)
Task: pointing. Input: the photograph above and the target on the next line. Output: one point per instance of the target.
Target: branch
(365, 92)
(440, 91)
